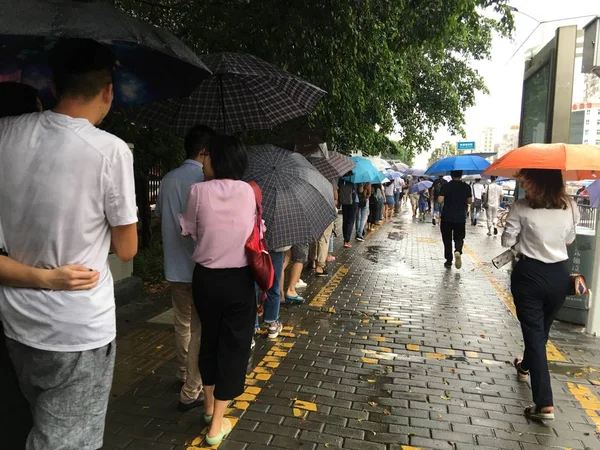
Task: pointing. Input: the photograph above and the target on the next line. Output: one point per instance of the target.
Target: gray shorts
(300, 253)
(68, 393)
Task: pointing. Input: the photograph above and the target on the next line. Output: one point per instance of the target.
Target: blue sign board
(466, 145)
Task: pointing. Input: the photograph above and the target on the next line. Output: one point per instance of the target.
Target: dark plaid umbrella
(244, 93)
(298, 201)
(152, 63)
(335, 166)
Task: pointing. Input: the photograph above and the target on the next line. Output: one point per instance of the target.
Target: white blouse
(541, 234)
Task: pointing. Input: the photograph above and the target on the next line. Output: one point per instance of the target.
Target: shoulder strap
(258, 199)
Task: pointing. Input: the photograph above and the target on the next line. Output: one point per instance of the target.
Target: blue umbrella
(392, 174)
(470, 165)
(420, 186)
(364, 172)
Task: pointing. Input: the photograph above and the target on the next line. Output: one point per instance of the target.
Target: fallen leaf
(386, 412)
(352, 333)
(326, 445)
(370, 380)
(158, 347)
(304, 420)
(452, 443)
(578, 374)
(444, 397)
(360, 420)
(373, 403)
(452, 370)
(481, 336)
(331, 309)
(439, 416)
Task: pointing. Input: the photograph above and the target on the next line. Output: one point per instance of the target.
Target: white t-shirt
(541, 234)
(389, 189)
(493, 194)
(478, 190)
(63, 184)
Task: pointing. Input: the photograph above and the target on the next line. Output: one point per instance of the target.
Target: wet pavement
(393, 351)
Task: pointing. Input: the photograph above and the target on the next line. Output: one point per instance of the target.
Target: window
(598, 122)
(586, 132)
(598, 132)
(586, 142)
(597, 141)
(587, 121)
(588, 112)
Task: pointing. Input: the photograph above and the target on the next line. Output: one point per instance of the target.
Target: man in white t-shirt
(477, 190)
(491, 202)
(67, 196)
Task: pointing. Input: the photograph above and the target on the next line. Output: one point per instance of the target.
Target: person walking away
(436, 190)
(373, 207)
(179, 267)
(274, 294)
(492, 199)
(477, 194)
(456, 197)
(298, 255)
(77, 182)
(380, 204)
(539, 227)
(414, 198)
(388, 213)
(363, 212)
(398, 191)
(347, 193)
(219, 215)
(423, 204)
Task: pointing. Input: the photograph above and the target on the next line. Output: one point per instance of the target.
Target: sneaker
(489, 233)
(448, 264)
(301, 284)
(274, 329)
(458, 258)
(433, 221)
(330, 258)
(360, 239)
(495, 231)
(185, 407)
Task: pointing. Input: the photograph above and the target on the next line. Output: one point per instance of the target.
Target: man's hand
(69, 278)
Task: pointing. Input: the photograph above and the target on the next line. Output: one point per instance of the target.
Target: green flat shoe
(207, 418)
(225, 430)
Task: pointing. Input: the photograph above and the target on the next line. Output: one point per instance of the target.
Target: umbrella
(400, 167)
(392, 174)
(335, 166)
(594, 193)
(577, 162)
(152, 63)
(297, 200)
(470, 165)
(379, 163)
(364, 172)
(244, 93)
(415, 172)
(420, 186)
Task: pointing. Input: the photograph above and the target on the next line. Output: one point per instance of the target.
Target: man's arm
(73, 277)
(124, 241)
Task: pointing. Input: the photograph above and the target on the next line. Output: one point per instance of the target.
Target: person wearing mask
(477, 191)
(363, 212)
(179, 267)
(539, 227)
(456, 197)
(491, 202)
(219, 216)
(78, 184)
(15, 413)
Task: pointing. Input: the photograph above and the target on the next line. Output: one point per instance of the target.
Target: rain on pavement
(393, 351)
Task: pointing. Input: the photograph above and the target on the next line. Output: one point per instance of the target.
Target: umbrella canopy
(470, 165)
(297, 200)
(152, 63)
(364, 172)
(420, 186)
(244, 93)
(594, 193)
(333, 167)
(414, 172)
(400, 167)
(577, 162)
(379, 163)
(392, 174)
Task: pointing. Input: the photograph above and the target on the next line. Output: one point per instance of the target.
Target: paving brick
(362, 445)
(280, 430)
(321, 438)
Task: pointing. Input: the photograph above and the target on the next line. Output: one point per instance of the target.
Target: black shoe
(185, 407)
(495, 231)
(322, 274)
(448, 265)
(433, 221)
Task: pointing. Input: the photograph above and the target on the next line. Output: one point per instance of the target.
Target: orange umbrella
(577, 162)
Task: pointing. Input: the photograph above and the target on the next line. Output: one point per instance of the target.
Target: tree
(447, 149)
(393, 150)
(385, 64)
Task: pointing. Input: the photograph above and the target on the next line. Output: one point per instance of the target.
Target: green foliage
(447, 149)
(386, 64)
(148, 263)
(393, 150)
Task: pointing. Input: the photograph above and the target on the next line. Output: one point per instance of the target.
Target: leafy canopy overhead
(386, 64)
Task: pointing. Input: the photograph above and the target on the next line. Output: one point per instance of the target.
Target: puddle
(574, 371)
(395, 236)
(457, 358)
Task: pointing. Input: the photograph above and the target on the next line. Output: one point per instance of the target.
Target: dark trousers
(226, 303)
(15, 414)
(452, 231)
(348, 218)
(539, 291)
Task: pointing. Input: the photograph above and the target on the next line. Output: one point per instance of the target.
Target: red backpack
(259, 259)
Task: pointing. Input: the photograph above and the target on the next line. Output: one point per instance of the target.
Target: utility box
(591, 47)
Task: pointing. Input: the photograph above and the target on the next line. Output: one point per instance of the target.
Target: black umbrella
(244, 93)
(152, 63)
(334, 166)
(298, 201)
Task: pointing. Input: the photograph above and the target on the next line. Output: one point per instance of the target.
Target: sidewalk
(391, 352)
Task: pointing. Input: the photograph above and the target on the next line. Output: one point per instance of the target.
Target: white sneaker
(301, 284)
(274, 329)
(457, 260)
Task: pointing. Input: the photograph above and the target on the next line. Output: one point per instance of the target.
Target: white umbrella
(380, 163)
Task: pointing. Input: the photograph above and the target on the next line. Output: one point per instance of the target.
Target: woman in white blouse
(540, 227)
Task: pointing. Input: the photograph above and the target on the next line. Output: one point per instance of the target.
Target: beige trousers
(323, 246)
(187, 341)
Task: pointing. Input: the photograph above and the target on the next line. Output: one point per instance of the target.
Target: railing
(587, 213)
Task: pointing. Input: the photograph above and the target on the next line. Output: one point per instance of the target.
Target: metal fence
(587, 213)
